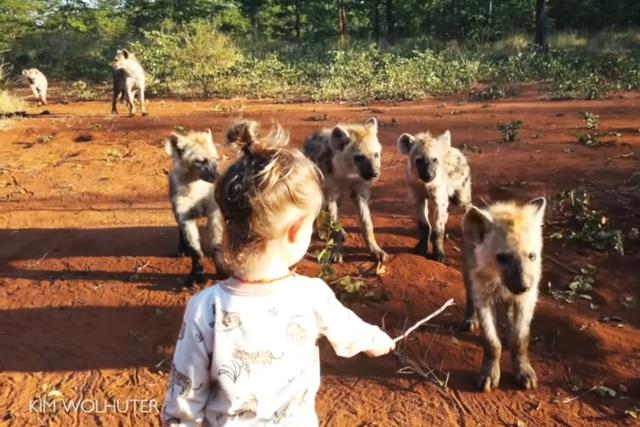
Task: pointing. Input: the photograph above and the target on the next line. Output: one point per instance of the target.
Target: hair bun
(244, 134)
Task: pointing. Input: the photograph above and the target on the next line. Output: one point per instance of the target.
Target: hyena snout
(512, 273)
(368, 170)
(426, 170)
(208, 171)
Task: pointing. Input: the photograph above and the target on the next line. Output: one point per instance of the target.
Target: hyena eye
(502, 258)
(532, 256)
(376, 155)
(435, 160)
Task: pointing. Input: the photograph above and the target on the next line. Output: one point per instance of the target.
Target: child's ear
(294, 230)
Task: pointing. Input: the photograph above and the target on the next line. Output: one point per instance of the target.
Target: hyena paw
(526, 377)
(335, 257)
(489, 377)
(469, 325)
(145, 113)
(440, 257)
(420, 249)
(380, 255)
(195, 278)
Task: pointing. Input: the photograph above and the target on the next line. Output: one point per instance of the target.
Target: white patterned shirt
(247, 354)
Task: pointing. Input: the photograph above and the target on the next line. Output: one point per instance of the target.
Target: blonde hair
(257, 191)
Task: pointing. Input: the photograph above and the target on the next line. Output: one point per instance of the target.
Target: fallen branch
(559, 264)
(576, 397)
(423, 321)
(621, 156)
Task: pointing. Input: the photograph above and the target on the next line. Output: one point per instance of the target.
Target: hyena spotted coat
(191, 189)
(436, 173)
(128, 76)
(349, 157)
(37, 83)
(502, 265)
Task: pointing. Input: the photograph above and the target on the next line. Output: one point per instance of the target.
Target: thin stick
(571, 399)
(559, 264)
(42, 257)
(621, 156)
(425, 320)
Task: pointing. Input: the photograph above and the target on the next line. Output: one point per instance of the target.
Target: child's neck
(261, 268)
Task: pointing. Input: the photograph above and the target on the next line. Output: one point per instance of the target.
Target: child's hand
(381, 345)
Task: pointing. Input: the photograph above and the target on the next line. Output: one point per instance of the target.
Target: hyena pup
(437, 173)
(37, 83)
(191, 188)
(502, 265)
(128, 76)
(349, 157)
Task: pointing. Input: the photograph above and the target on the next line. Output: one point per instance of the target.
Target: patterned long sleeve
(347, 333)
(189, 382)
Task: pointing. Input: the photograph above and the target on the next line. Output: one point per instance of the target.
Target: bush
(179, 58)
(8, 102)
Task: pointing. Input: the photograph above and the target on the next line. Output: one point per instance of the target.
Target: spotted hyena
(349, 157)
(37, 83)
(502, 265)
(128, 76)
(437, 173)
(191, 189)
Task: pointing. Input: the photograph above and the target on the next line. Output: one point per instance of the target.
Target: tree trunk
(542, 31)
(391, 25)
(296, 7)
(342, 20)
(375, 30)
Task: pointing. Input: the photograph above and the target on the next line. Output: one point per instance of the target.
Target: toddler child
(247, 351)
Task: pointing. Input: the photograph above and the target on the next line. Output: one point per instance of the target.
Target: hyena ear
(339, 138)
(209, 135)
(24, 72)
(539, 205)
(405, 142)
(174, 145)
(371, 122)
(125, 53)
(476, 224)
(445, 139)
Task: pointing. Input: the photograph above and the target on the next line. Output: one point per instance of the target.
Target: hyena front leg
(129, 98)
(338, 237)
(519, 344)
(117, 91)
(182, 245)
(489, 376)
(364, 215)
(470, 322)
(424, 227)
(440, 217)
(42, 97)
(215, 229)
(143, 107)
(189, 230)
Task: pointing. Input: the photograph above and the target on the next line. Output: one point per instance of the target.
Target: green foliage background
(389, 49)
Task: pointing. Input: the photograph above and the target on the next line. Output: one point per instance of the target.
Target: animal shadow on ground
(76, 338)
(25, 255)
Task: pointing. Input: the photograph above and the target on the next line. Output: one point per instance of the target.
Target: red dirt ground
(87, 277)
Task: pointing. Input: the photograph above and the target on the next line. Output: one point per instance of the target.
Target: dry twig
(423, 321)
